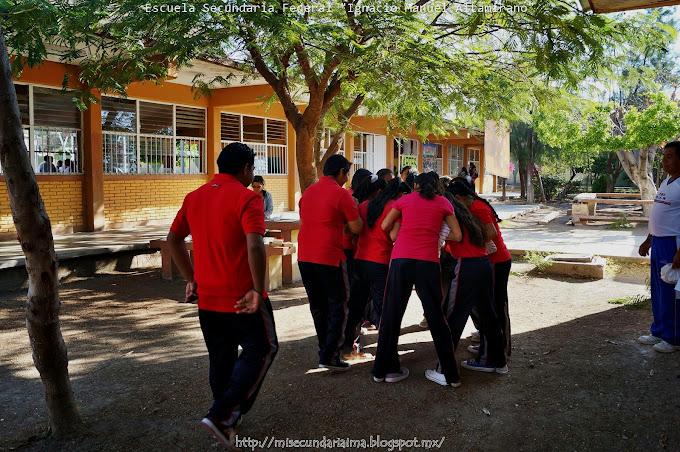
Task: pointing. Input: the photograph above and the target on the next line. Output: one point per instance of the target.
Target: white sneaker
(474, 337)
(396, 377)
(665, 347)
(474, 349)
(648, 339)
(440, 378)
(423, 323)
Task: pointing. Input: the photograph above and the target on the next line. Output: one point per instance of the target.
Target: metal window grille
(455, 159)
(267, 137)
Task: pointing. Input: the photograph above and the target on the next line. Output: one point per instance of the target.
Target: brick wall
(278, 187)
(145, 199)
(63, 201)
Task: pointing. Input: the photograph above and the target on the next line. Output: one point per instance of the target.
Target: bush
(600, 184)
(553, 186)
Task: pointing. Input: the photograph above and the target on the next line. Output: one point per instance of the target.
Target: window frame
(174, 138)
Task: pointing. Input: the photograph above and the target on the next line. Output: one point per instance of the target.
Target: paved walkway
(508, 211)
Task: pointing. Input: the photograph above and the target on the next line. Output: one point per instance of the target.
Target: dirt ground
(577, 381)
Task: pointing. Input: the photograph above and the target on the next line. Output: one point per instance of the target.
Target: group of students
(362, 250)
(393, 238)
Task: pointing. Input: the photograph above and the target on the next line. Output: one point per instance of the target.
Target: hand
(191, 292)
(644, 248)
(676, 260)
(250, 302)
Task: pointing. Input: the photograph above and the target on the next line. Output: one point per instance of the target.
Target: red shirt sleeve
(397, 205)
(180, 226)
(446, 205)
(348, 206)
(482, 211)
(252, 216)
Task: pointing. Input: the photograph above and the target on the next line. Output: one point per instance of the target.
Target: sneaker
(423, 323)
(481, 366)
(439, 378)
(335, 364)
(225, 435)
(474, 349)
(474, 337)
(665, 347)
(649, 339)
(396, 377)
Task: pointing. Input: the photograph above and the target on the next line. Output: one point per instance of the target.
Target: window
(407, 152)
(432, 158)
(267, 137)
(455, 159)
(474, 158)
(51, 126)
(151, 138)
(364, 150)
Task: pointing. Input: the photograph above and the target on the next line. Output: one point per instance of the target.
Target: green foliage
(621, 223)
(538, 260)
(554, 185)
(600, 184)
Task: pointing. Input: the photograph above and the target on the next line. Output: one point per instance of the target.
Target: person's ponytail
(460, 186)
(376, 206)
(469, 224)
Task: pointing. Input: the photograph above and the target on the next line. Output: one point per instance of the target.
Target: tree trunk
(638, 166)
(522, 180)
(304, 148)
(540, 184)
(35, 236)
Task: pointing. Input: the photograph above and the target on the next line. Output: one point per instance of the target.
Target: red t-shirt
(421, 221)
(218, 215)
(464, 248)
(482, 211)
(374, 244)
(325, 207)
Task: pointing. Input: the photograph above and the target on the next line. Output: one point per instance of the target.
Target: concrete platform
(576, 266)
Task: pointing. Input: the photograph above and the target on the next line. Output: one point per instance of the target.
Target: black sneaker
(225, 435)
(335, 364)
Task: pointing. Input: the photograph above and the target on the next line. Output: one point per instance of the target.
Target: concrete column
(214, 140)
(93, 167)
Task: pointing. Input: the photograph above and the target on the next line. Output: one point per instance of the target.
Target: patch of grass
(537, 259)
(632, 302)
(621, 223)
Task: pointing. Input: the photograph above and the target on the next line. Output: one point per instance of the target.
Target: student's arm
(389, 220)
(349, 207)
(355, 226)
(455, 235)
(394, 232)
(676, 259)
(257, 256)
(645, 246)
(180, 256)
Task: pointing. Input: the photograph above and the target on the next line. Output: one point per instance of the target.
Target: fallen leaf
(487, 412)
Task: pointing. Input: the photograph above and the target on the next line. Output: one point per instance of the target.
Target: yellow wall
(145, 199)
(278, 187)
(63, 201)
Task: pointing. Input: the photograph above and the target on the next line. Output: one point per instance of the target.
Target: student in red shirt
(501, 260)
(226, 223)
(349, 239)
(371, 263)
(415, 261)
(325, 209)
(472, 288)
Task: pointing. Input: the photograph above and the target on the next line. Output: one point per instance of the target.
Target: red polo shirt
(218, 215)
(325, 208)
(483, 212)
(374, 244)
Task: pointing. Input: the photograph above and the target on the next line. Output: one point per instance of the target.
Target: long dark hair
(358, 178)
(368, 187)
(427, 184)
(469, 224)
(376, 206)
(460, 186)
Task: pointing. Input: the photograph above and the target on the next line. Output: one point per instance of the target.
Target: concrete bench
(274, 254)
(584, 207)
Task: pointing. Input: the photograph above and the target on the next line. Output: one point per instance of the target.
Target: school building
(130, 161)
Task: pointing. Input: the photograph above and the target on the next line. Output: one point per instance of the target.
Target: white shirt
(664, 221)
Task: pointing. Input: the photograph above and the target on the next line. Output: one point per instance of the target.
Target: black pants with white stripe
(327, 290)
(403, 275)
(235, 380)
(472, 287)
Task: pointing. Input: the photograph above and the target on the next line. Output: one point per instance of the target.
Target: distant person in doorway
(664, 242)
(226, 223)
(404, 173)
(385, 174)
(258, 187)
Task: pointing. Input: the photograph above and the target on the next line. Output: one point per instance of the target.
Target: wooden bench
(168, 268)
(584, 206)
(283, 229)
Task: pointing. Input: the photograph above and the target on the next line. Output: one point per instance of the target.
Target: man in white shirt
(664, 241)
